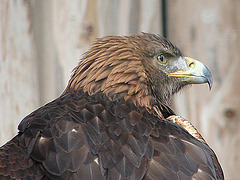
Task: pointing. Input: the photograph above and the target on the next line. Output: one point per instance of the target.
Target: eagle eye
(161, 59)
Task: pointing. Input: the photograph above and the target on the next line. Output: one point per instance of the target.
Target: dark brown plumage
(113, 121)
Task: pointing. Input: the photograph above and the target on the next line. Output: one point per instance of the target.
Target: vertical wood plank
(150, 16)
(18, 82)
(107, 15)
(123, 17)
(72, 33)
(45, 49)
(210, 32)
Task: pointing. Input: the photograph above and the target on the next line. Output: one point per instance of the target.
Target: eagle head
(145, 68)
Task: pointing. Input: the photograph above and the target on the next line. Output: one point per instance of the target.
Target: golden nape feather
(114, 120)
(111, 67)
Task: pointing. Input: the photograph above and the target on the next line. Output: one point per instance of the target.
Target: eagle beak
(196, 73)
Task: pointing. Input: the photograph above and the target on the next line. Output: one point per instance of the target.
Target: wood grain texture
(18, 70)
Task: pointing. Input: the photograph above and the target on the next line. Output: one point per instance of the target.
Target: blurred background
(42, 41)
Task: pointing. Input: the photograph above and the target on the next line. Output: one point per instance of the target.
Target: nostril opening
(191, 64)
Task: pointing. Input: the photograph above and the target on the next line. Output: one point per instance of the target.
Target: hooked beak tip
(210, 85)
(207, 74)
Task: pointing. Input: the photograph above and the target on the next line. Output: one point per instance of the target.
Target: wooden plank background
(42, 41)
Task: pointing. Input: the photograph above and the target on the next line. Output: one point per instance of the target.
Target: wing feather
(81, 136)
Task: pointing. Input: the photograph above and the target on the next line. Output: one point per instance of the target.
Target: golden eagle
(113, 121)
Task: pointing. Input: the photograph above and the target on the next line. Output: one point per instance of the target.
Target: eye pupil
(161, 58)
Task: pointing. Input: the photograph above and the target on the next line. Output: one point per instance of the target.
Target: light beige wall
(18, 71)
